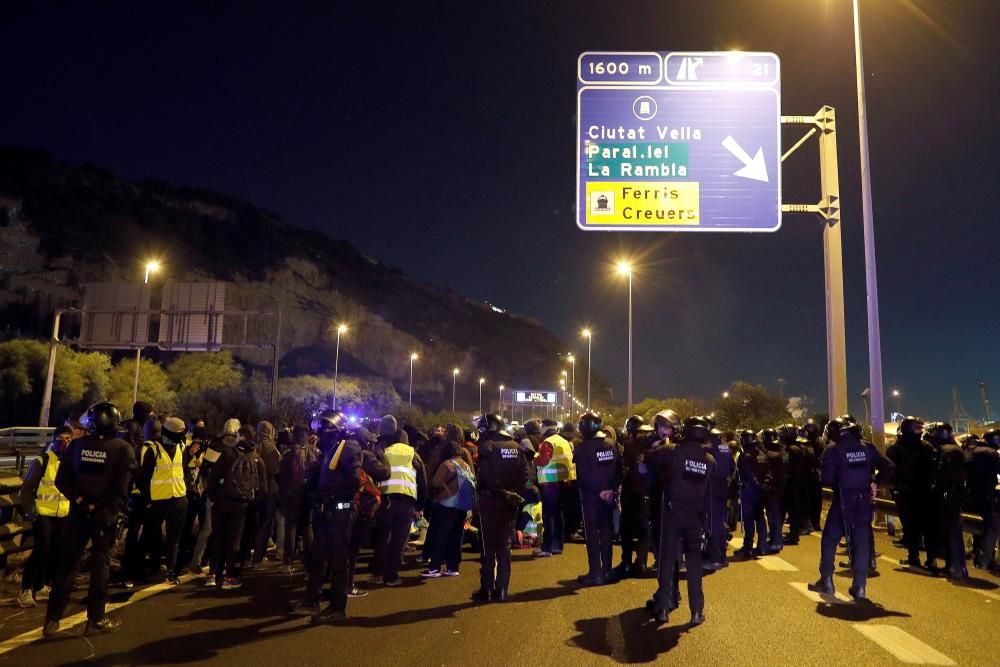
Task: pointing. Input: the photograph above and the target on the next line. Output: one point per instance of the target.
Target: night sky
(439, 137)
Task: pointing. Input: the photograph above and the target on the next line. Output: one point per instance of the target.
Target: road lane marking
(903, 645)
(775, 564)
(76, 619)
(803, 588)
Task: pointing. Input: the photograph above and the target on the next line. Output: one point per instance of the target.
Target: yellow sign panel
(664, 203)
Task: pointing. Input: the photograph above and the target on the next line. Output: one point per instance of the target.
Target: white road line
(803, 588)
(76, 619)
(775, 564)
(903, 645)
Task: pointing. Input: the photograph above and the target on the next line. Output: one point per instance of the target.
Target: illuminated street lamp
(501, 404)
(725, 394)
(572, 360)
(454, 379)
(341, 330)
(152, 266)
(589, 335)
(413, 357)
(625, 269)
(895, 395)
(482, 381)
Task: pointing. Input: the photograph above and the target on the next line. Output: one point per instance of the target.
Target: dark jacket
(850, 466)
(598, 465)
(268, 451)
(98, 469)
(684, 470)
(222, 468)
(914, 461)
(503, 467)
(984, 474)
(752, 466)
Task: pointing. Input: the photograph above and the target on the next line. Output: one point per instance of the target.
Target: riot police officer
(94, 475)
(984, 481)
(635, 498)
(776, 460)
(813, 447)
(722, 474)
(948, 495)
(914, 461)
(503, 476)
(334, 517)
(751, 466)
(599, 473)
(794, 501)
(848, 468)
(666, 428)
(684, 469)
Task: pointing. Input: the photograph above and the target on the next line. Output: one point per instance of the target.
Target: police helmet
(942, 433)
(787, 433)
(747, 438)
(968, 440)
(768, 436)
(835, 428)
(811, 429)
(590, 423)
(667, 418)
(634, 424)
(329, 421)
(102, 417)
(697, 428)
(992, 438)
(849, 419)
(716, 437)
(910, 426)
(491, 424)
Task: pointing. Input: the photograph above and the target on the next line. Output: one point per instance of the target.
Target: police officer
(848, 468)
(914, 460)
(684, 470)
(813, 446)
(599, 472)
(984, 482)
(554, 467)
(335, 487)
(751, 466)
(503, 476)
(775, 476)
(666, 428)
(948, 495)
(794, 501)
(94, 475)
(718, 492)
(635, 498)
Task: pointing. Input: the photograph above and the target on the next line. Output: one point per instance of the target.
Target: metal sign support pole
(828, 209)
(274, 363)
(50, 373)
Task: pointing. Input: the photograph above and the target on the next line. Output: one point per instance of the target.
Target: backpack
(465, 497)
(368, 497)
(246, 478)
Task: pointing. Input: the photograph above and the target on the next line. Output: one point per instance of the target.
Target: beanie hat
(388, 425)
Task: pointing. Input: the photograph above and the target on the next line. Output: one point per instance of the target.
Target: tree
(81, 379)
(22, 372)
(750, 406)
(154, 386)
(192, 374)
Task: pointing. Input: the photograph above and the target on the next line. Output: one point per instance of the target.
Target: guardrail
(971, 523)
(15, 530)
(23, 441)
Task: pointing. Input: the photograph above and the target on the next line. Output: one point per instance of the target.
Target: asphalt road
(756, 612)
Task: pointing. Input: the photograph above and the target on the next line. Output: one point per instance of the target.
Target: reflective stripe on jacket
(560, 467)
(48, 500)
(402, 474)
(168, 476)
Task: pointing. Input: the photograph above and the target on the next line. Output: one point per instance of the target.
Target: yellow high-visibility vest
(48, 500)
(403, 474)
(168, 476)
(560, 467)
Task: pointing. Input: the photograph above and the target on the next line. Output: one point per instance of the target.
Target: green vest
(403, 475)
(48, 500)
(168, 476)
(560, 467)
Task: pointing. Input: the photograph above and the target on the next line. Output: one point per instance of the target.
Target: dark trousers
(569, 498)
(849, 516)
(913, 516)
(361, 535)
(195, 513)
(635, 527)
(717, 528)
(228, 518)
(46, 535)
(753, 518)
(815, 500)
(298, 522)
(134, 560)
(952, 541)
(447, 546)
(775, 519)
(991, 526)
(497, 521)
(598, 531)
(99, 528)
(553, 530)
(392, 527)
(265, 525)
(331, 553)
(172, 513)
(795, 506)
(680, 529)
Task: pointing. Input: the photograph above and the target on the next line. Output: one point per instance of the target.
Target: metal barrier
(15, 530)
(971, 523)
(22, 441)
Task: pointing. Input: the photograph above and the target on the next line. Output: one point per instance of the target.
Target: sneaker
(556, 552)
(303, 607)
(356, 593)
(103, 626)
(25, 599)
(173, 580)
(50, 629)
(449, 573)
(394, 582)
(329, 615)
(212, 583)
(127, 584)
(43, 593)
(231, 583)
(430, 574)
(541, 553)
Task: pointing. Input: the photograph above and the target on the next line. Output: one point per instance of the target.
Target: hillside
(62, 226)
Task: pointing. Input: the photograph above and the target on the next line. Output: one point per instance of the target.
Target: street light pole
(151, 267)
(501, 404)
(626, 268)
(454, 379)
(871, 281)
(589, 335)
(481, 382)
(336, 363)
(413, 357)
(572, 360)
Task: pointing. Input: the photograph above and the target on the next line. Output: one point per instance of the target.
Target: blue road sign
(680, 141)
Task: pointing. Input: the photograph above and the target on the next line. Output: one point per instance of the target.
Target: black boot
(857, 592)
(823, 585)
(482, 595)
(697, 617)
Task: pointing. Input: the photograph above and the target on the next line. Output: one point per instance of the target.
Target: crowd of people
(311, 497)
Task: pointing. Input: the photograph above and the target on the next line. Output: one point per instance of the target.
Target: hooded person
(266, 509)
(214, 449)
(299, 465)
(162, 486)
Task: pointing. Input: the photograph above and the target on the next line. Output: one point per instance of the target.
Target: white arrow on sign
(754, 167)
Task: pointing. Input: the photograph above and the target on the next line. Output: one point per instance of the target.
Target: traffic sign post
(681, 141)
